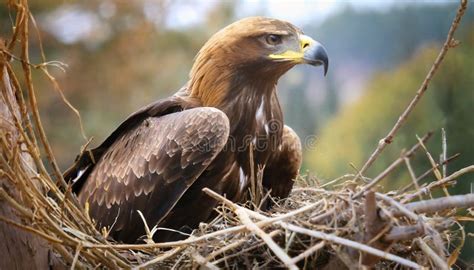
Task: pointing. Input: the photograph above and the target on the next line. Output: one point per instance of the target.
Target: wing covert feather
(149, 167)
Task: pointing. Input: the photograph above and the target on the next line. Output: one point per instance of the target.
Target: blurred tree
(361, 42)
(121, 55)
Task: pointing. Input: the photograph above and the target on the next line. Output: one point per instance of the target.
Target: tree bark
(18, 249)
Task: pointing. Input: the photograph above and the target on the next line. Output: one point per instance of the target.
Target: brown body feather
(160, 158)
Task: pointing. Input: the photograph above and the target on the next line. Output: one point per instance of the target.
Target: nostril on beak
(305, 45)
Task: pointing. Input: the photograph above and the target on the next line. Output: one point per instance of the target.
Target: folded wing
(150, 166)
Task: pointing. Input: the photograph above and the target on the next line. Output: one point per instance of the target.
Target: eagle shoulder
(86, 161)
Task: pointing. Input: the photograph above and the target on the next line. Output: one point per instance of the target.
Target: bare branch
(419, 94)
(443, 181)
(394, 165)
(440, 204)
(352, 244)
(440, 263)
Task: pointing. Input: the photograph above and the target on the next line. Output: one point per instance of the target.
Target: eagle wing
(86, 160)
(150, 166)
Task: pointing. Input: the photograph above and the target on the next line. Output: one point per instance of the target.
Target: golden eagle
(162, 156)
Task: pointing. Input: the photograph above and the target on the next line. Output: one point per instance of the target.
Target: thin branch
(444, 147)
(160, 258)
(427, 172)
(225, 248)
(394, 165)
(309, 251)
(440, 263)
(419, 94)
(198, 258)
(352, 244)
(443, 181)
(413, 176)
(401, 233)
(440, 204)
(33, 103)
(289, 263)
(76, 256)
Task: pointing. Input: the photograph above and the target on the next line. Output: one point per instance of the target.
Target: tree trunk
(18, 249)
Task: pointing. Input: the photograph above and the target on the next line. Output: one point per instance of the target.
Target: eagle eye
(273, 39)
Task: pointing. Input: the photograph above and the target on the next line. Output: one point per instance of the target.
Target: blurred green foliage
(448, 103)
(362, 43)
(128, 61)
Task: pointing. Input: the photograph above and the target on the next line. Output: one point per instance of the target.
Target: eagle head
(250, 50)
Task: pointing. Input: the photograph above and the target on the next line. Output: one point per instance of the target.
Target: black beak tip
(317, 56)
(326, 67)
(322, 57)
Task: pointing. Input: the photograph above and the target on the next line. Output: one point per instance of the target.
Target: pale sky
(298, 12)
(70, 23)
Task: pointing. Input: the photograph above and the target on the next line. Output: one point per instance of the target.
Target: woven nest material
(344, 223)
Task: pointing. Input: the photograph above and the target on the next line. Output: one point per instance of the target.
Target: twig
(203, 262)
(443, 181)
(424, 86)
(427, 172)
(352, 244)
(76, 256)
(20, 208)
(444, 146)
(309, 251)
(323, 216)
(225, 248)
(399, 209)
(33, 103)
(400, 233)
(440, 204)
(413, 176)
(241, 213)
(412, 215)
(271, 234)
(440, 263)
(160, 258)
(345, 176)
(436, 171)
(394, 165)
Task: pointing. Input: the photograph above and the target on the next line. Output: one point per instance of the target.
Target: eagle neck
(241, 95)
(244, 103)
(247, 97)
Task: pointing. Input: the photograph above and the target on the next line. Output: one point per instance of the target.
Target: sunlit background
(124, 54)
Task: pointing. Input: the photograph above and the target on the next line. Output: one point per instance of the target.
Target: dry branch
(394, 165)
(419, 94)
(352, 244)
(440, 204)
(441, 182)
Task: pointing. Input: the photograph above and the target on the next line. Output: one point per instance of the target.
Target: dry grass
(319, 225)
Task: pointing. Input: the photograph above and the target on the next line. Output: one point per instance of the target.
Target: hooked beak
(315, 54)
(309, 52)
